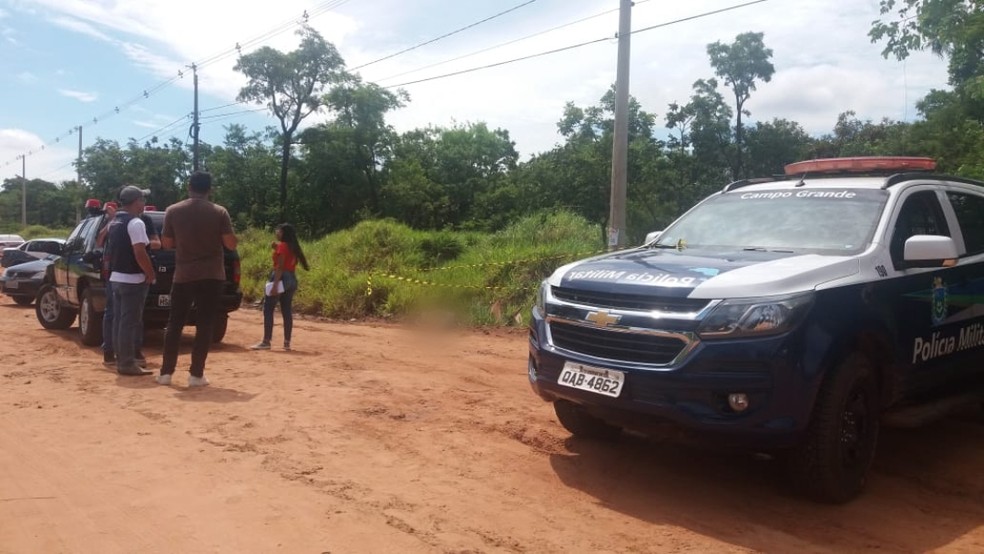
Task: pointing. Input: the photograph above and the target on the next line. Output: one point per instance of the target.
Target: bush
(479, 279)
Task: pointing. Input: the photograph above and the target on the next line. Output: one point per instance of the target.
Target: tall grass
(475, 278)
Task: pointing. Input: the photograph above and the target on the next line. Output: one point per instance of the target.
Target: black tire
(50, 312)
(219, 327)
(23, 300)
(832, 464)
(582, 424)
(90, 322)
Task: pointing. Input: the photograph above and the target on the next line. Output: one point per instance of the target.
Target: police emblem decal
(939, 301)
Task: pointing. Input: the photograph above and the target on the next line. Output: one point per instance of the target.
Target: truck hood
(704, 273)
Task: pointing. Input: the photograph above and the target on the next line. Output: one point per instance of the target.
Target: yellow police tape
(414, 281)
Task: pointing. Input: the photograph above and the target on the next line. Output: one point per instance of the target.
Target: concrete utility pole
(620, 148)
(195, 126)
(23, 190)
(78, 178)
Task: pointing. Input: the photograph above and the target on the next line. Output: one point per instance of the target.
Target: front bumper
(20, 287)
(692, 392)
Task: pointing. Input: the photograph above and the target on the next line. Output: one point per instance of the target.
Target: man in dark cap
(131, 273)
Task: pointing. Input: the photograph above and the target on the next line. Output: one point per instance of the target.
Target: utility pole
(78, 178)
(620, 147)
(24, 190)
(194, 128)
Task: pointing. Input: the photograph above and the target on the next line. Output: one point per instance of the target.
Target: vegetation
(393, 202)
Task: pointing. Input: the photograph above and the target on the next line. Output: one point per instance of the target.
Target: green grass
(40, 231)
(474, 278)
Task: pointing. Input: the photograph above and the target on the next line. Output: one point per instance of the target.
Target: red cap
(111, 203)
(92, 203)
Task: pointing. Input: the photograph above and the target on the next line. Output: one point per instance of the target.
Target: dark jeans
(204, 295)
(107, 345)
(286, 301)
(128, 306)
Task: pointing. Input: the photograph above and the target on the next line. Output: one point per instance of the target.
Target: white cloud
(27, 77)
(3, 14)
(79, 95)
(49, 163)
(825, 63)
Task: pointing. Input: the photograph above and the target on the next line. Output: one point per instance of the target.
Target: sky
(89, 63)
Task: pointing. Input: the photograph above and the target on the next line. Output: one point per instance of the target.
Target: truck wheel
(23, 300)
(582, 424)
(832, 463)
(51, 314)
(219, 328)
(90, 322)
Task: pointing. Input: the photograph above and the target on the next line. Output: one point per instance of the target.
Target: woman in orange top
(287, 254)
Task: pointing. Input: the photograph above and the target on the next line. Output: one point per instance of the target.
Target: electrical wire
(573, 46)
(503, 44)
(446, 35)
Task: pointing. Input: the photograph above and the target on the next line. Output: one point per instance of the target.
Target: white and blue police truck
(791, 314)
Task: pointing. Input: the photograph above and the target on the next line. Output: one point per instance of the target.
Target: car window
(75, 240)
(920, 215)
(970, 215)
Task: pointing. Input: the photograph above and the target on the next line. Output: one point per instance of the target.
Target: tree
(291, 85)
(773, 144)
(740, 64)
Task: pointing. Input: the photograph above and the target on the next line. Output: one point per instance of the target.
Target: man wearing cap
(131, 274)
(198, 230)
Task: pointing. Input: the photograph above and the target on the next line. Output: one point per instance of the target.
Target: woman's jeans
(286, 300)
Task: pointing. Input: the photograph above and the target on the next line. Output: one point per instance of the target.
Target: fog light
(738, 401)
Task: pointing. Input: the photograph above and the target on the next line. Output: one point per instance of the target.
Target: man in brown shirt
(197, 230)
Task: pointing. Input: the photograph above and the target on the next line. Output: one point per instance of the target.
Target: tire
(90, 322)
(23, 300)
(51, 314)
(582, 424)
(219, 328)
(832, 463)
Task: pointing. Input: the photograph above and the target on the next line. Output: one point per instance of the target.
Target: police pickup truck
(74, 285)
(791, 315)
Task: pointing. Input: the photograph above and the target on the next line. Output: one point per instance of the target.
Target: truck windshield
(821, 221)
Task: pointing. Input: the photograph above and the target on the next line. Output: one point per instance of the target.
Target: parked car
(22, 281)
(74, 285)
(792, 315)
(9, 241)
(34, 249)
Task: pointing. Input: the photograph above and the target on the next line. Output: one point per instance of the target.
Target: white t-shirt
(138, 235)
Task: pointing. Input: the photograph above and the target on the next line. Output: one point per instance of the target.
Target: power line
(573, 46)
(147, 93)
(446, 35)
(503, 44)
(232, 114)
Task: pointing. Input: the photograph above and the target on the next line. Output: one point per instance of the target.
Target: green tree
(244, 169)
(291, 85)
(772, 145)
(740, 64)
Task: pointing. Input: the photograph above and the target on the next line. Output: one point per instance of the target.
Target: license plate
(13, 284)
(592, 379)
(164, 301)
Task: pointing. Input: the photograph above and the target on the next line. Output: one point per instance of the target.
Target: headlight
(38, 275)
(541, 297)
(755, 316)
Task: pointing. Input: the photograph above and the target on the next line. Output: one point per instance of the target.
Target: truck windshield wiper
(760, 249)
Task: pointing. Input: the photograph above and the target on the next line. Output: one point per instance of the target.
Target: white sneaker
(260, 346)
(197, 381)
(164, 379)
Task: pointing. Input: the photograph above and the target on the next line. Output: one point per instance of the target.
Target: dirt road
(374, 438)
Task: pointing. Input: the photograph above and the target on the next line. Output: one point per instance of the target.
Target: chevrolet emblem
(603, 319)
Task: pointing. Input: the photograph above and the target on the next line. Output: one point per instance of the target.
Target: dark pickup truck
(75, 285)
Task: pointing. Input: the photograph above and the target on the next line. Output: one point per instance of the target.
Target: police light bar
(150, 208)
(862, 165)
(111, 203)
(93, 203)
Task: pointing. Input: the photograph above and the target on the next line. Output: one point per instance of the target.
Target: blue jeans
(107, 345)
(128, 306)
(286, 300)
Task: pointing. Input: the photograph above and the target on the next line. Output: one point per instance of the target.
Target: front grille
(615, 345)
(629, 301)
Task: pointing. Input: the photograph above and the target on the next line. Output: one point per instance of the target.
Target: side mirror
(92, 258)
(930, 251)
(650, 237)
